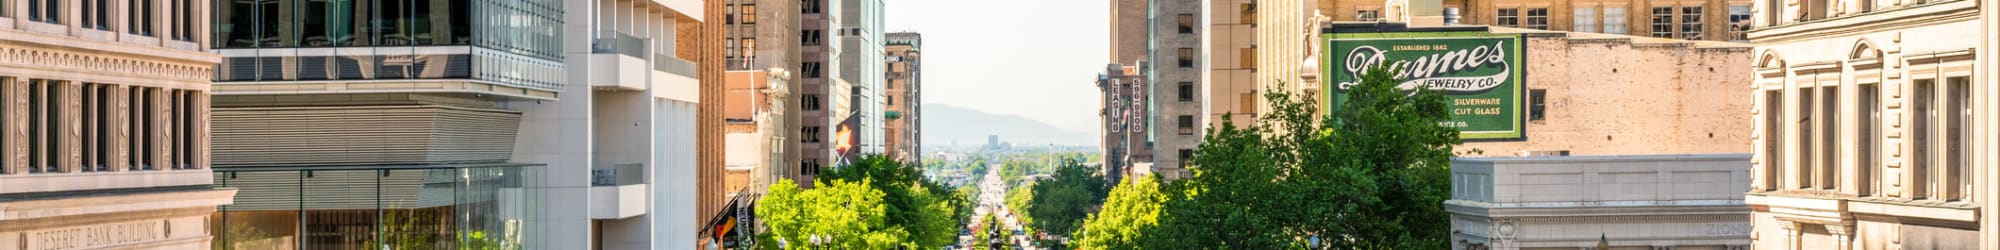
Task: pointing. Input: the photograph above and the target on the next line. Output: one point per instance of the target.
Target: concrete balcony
(674, 78)
(619, 61)
(617, 191)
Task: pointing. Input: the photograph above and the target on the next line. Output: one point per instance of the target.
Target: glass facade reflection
(489, 206)
(511, 42)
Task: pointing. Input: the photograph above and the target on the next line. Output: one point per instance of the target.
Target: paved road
(992, 200)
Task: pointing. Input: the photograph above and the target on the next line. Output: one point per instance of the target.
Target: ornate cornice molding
(86, 63)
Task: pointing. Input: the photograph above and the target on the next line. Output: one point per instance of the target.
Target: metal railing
(673, 65)
(613, 42)
(617, 174)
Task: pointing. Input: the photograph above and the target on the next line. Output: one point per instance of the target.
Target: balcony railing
(613, 42)
(617, 174)
(673, 65)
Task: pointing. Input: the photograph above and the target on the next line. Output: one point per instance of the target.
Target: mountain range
(945, 125)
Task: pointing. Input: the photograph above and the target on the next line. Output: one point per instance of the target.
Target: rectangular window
(184, 21)
(38, 119)
(1829, 133)
(810, 134)
(1368, 15)
(1691, 23)
(1739, 23)
(1186, 92)
(1585, 19)
(729, 14)
(1248, 15)
(749, 48)
(1246, 104)
(140, 21)
(1868, 124)
(1186, 23)
(1538, 18)
(1537, 100)
(729, 48)
(812, 37)
(1957, 126)
(1508, 17)
(1773, 16)
(47, 11)
(94, 14)
(749, 14)
(1186, 59)
(809, 6)
(1614, 19)
(1774, 139)
(809, 102)
(1663, 22)
(1920, 138)
(1247, 58)
(1186, 124)
(1187, 157)
(1805, 123)
(811, 70)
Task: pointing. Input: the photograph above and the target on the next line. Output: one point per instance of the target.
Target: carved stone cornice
(102, 64)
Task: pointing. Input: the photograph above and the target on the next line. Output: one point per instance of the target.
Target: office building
(902, 135)
(1872, 125)
(104, 126)
(861, 64)
(818, 26)
(1230, 62)
(1175, 43)
(1284, 34)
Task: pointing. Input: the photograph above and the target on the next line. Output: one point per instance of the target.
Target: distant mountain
(944, 124)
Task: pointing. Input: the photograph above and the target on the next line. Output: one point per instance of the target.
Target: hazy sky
(1034, 58)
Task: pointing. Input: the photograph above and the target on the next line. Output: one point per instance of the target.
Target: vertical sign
(1480, 73)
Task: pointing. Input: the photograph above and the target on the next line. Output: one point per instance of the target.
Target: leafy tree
(837, 215)
(1061, 203)
(1130, 213)
(1371, 174)
(925, 208)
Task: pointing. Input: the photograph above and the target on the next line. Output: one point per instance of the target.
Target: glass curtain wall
(416, 208)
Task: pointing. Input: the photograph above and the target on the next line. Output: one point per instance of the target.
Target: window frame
(1533, 21)
(1662, 22)
(1584, 19)
(1186, 92)
(1184, 124)
(748, 15)
(1186, 57)
(1508, 17)
(1691, 23)
(1185, 23)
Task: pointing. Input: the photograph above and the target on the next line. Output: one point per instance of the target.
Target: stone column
(1843, 236)
(1791, 237)
(13, 149)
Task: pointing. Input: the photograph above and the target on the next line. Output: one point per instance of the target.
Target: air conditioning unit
(1544, 152)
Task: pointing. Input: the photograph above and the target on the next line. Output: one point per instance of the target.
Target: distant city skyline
(981, 59)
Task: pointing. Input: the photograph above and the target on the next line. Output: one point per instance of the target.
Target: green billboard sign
(1480, 72)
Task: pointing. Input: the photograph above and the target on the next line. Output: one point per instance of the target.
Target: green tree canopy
(1060, 203)
(924, 208)
(1130, 213)
(1371, 173)
(837, 215)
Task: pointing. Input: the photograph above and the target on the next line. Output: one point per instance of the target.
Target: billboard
(1479, 72)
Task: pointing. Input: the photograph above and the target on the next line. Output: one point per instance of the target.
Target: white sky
(1034, 58)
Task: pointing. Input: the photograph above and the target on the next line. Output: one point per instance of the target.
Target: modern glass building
(451, 206)
(499, 47)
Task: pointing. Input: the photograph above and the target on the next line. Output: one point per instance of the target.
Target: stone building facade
(1872, 125)
(1600, 94)
(104, 139)
(1176, 48)
(1231, 60)
(1124, 117)
(903, 97)
(1713, 20)
(1625, 202)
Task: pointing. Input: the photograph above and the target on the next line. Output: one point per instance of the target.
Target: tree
(1370, 173)
(835, 215)
(1130, 213)
(1060, 203)
(924, 208)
